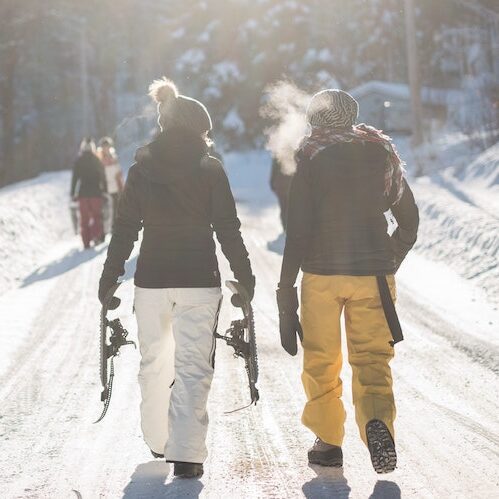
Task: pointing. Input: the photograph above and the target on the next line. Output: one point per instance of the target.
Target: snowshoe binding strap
(108, 351)
(389, 310)
(241, 337)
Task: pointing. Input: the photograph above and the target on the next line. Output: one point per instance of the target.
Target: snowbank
(480, 180)
(458, 207)
(34, 216)
(458, 232)
(485, 169)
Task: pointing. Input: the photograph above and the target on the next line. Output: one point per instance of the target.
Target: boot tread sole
(381, 447)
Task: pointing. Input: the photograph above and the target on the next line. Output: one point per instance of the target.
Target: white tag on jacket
(391, 222)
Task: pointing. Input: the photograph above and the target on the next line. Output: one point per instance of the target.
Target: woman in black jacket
(179, 195)
(348, 176)
(88, 186)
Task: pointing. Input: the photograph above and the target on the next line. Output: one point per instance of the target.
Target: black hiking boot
(156, 455)
(187, 470)
(325, 454)
(381, 446)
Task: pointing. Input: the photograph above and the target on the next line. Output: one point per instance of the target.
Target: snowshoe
(325, 454)
(74, 210)
(241, 337)
(187, 470)
(108, 351)
(381, 447)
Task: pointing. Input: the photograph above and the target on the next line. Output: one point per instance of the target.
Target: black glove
(105, 284)
(289, 323)
(249, 286)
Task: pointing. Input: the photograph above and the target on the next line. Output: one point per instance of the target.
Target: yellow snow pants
(323, 298)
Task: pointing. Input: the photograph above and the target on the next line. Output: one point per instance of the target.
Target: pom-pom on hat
(178, 111)
(87, 145)
(332, 108)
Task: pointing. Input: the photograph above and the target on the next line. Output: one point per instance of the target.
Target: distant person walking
(88, 185)
(180, 196)
(114, 177)
(347, 177)
(280, 183)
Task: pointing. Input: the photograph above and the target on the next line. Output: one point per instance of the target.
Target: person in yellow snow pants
(323, 299)
(349, 183)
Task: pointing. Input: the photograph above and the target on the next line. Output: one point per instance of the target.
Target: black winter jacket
(336, 221)
(180, 195)
(89, 177)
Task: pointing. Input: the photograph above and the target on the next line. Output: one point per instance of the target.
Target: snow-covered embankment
(459, 213)
(34, 216)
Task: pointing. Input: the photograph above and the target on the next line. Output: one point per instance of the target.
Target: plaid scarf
(322, 137)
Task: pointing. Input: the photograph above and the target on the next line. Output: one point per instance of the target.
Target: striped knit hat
(332, 108)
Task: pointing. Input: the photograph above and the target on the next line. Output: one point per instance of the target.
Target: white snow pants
(177, 345)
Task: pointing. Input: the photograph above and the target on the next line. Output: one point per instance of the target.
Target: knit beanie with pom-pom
(332, 108)
(178, 111)
(87, 145)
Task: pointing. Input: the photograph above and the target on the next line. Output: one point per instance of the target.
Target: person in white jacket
(114, 176)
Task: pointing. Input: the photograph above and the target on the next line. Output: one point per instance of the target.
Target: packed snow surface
(445, 376)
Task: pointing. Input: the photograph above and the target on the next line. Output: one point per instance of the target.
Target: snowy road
(446, 382)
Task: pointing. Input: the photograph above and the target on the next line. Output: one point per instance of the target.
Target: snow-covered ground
(458, 201)
(445, 372)
(34, 215)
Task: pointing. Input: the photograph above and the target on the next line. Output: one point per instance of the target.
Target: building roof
(438, 96)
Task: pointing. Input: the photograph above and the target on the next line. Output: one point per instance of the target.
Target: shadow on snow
(71, 260)
(385, 489)
(148, 481)
(330, 483)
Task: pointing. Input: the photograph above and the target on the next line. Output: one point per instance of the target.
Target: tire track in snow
(481, 352)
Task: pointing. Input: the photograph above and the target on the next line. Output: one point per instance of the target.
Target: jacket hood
(173, 154)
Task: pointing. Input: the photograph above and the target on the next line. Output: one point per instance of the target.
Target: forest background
(70, 69)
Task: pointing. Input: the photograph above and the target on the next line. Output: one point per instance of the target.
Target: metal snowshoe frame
(241, 337)
(108, 351)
